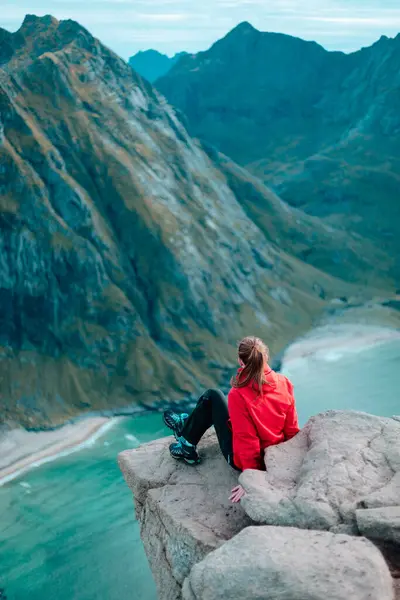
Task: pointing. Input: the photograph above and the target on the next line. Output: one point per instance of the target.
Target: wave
(331, 356)
(89, 442)
(132, 438)
(335, 343)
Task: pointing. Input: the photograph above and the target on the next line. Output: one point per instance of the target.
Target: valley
(134, 256)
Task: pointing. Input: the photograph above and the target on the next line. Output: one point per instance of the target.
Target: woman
(260, 412)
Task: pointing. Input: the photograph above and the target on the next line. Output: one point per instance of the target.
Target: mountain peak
(33, 22)
(34, 25)
(152, 64)
(244, 28)
(31, 37)
(34, 19)
(38, 35)
(150, 52)
(246, 32)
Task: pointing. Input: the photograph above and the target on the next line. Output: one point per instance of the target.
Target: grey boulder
(340, 463)
(277, 563)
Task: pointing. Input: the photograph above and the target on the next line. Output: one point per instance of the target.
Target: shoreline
(22, 450)
(333, 341)
(41, 446)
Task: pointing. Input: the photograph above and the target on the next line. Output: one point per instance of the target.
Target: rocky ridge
(321, 128)
(325, 493)
(131, 259)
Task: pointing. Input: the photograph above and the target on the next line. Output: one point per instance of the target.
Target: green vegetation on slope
(132, 260)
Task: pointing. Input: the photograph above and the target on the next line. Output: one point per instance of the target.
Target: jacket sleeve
(246, 443)
(291, 427)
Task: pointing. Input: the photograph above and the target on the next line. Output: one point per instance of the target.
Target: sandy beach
(331, 342)
(21, 450)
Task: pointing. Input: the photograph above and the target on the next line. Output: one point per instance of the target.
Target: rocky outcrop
(184, 513)
(338, 465)
(339, 475)
(283, 562)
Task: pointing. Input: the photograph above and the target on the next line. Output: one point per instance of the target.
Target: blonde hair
(254, 354)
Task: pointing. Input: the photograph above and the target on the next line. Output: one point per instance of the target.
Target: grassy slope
(132, 262)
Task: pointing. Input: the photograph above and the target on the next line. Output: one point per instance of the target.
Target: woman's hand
(237, 494)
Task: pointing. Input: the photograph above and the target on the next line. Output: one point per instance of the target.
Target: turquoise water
(368, 381)
(67, 528)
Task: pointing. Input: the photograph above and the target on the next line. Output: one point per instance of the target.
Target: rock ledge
(340, 477)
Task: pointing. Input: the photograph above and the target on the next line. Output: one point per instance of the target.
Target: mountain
(322, 128)
(133, 258)
(151, 64)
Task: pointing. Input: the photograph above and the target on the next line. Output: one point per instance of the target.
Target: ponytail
(253, 353)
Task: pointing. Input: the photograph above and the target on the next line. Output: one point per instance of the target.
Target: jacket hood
(253, 385)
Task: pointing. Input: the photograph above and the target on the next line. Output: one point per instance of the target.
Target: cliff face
(184, 513)
(132, 258)
(130, 263)
(321, 127)
(336, 481)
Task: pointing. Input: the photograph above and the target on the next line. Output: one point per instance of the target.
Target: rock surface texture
(283, 562)
(339, 464)
(380, 523)
(184, 512)
(336, 481)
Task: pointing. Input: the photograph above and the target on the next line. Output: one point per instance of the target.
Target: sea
(67, 528)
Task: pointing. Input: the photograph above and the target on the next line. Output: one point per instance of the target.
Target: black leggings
(211, 409)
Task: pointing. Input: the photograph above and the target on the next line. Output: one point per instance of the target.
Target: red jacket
(261, 420)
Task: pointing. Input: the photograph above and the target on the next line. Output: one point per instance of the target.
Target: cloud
(115, 3)
(108, 15)
(163, 18)
(376, 22)
(172, 25)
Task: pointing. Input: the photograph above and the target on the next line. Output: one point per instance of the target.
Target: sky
(170, 26)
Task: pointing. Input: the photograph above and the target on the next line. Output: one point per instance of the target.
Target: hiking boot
(185, 451)
(175, 421)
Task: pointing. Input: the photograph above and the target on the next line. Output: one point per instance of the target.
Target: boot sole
(187, 460)
(173, 430)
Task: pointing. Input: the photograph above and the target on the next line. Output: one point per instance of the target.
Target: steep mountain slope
(253, 93)
(132, 260)
(151, 64)
(321, 127)
(345, 255)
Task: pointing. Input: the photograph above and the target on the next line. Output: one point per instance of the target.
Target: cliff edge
(328, 509)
